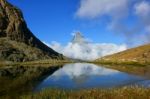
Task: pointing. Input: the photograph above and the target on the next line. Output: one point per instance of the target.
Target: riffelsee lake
(84, 75)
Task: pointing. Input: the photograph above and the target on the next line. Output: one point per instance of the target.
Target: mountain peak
(78, 38)
(12, 24)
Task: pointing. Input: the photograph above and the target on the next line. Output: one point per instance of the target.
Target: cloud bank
(96, 8)
(119, 12)
(87, 51)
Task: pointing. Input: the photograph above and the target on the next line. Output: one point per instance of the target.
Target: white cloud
(87, 51)
(96, 8)
(118, 17)
(142, 9)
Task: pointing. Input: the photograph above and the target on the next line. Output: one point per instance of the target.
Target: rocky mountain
(79, 39)
(138, 54)
(17, 42)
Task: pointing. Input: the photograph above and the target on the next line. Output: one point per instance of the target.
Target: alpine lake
(22, 80)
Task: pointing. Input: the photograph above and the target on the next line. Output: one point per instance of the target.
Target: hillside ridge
(138, 54)
(14, 28)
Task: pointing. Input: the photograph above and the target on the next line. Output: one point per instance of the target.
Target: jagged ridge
(13, 27)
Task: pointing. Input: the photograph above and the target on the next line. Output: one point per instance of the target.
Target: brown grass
(116, 93)
(136, 55)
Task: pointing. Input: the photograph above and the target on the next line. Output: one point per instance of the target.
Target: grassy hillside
(139, 54)
(17, 42)
(17, 51)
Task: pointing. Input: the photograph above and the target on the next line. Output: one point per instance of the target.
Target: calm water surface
(84, 75)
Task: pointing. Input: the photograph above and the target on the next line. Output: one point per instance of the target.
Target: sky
(123, 23)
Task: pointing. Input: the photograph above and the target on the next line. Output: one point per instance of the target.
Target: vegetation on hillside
(134, 56)
(21, 52)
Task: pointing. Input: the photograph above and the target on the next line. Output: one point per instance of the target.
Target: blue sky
(55, 20)
(111, 25)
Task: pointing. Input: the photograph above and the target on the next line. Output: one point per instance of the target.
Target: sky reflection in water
(84, 75)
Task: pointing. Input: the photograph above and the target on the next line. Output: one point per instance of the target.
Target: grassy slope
(135, 55)
(15, 51)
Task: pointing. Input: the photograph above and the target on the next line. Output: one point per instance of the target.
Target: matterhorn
(78, 38)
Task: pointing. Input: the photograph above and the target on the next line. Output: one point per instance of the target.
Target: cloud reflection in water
(84, 75)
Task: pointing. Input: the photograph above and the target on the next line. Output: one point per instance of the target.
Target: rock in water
(14, 29)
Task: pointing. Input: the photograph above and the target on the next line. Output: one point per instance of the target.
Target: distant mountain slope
(138, 54)
(13, 29)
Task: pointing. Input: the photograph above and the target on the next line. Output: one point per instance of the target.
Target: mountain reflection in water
(84, 75)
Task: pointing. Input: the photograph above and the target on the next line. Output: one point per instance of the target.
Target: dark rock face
(13, 27)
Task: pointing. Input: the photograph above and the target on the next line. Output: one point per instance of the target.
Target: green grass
(116, 93)
(48, 62)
